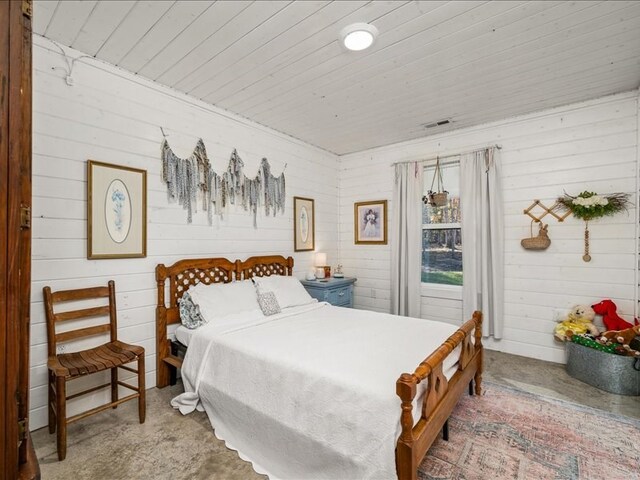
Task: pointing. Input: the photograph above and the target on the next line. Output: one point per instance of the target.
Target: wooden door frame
(16, 450)
(4, 153)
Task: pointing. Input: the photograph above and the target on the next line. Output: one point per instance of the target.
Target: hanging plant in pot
(589, 206)
(439, 197)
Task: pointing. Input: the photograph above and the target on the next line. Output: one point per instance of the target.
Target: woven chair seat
(104, 357)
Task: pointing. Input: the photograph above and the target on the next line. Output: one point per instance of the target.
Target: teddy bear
(578, 321)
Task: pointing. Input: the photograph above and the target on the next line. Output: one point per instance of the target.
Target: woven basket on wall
(541, 242)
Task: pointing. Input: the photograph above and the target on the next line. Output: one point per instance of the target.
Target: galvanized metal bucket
(609, 372)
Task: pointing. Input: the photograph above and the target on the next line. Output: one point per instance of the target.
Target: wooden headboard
(187, 273)
(263, 267)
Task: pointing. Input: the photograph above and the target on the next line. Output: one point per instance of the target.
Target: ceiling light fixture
(358, 36)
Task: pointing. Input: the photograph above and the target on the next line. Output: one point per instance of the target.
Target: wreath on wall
(589, 206)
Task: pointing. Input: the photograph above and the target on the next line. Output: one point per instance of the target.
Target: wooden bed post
(405, 459)
(477, 380)
(441, 394)
(238, 275)
(162, 343)
(289, 266)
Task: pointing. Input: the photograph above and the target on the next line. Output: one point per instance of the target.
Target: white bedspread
(309, 393)
(183, 334)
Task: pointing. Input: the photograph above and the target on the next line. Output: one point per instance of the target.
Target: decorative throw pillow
(220, 300)
(288, 290)
(190, 315)
(268, 303)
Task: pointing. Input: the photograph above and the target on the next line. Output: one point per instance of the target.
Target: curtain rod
(499, 147)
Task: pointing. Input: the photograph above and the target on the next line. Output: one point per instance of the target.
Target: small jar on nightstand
(336, 291)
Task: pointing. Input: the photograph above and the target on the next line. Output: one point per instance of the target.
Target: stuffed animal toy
(603, 345)
(627, 352)
(623, 337)
(611, 320)
(579, 320)
(588, 341)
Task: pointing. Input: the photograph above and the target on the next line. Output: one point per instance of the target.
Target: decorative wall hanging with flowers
(589, 206)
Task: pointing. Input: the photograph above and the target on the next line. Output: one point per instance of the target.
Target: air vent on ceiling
(437, 124)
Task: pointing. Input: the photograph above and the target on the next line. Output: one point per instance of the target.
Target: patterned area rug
(510, 434)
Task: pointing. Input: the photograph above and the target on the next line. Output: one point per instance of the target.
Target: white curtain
(406, 240)
(482, 238)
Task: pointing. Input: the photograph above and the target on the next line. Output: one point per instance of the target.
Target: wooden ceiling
(279, 63)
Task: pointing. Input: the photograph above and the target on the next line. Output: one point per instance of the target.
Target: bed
(300, 391)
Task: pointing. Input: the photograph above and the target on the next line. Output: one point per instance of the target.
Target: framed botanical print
(370, 222)
(304, 224)
(116, 211)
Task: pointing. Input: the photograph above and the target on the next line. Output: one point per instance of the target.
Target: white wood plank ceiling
(280, 63)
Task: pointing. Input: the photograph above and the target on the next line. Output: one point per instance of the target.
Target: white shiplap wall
(585, 146)
(113, 116)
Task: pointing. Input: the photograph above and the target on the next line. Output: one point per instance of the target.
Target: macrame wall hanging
(186, 178)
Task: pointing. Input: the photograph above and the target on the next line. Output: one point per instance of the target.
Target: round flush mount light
(358, 36)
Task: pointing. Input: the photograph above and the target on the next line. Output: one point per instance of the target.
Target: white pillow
(288, 290)
(220, 300)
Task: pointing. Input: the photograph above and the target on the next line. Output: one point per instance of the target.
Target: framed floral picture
(304, 224)
(116, 211)
(370, 222)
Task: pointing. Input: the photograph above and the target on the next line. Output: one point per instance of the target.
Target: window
(441, 232)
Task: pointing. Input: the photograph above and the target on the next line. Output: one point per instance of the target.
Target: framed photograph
(304, 224)
(370, 221)
(116, 211)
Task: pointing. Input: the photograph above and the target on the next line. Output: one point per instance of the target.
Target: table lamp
(323, 271)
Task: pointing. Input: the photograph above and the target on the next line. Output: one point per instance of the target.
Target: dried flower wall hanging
(589, 206)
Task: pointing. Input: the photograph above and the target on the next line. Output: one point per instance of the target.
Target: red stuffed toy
(611, 319)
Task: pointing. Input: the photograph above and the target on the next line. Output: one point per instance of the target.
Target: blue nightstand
(336, 291)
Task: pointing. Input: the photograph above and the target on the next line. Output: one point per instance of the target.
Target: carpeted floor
(506, 434)
(511, 434)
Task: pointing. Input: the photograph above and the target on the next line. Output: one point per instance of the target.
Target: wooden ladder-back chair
(68, 366)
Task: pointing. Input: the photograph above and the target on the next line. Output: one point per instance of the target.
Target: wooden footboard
(441, 396)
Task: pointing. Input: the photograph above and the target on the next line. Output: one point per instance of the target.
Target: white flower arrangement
(589, 205)
(589, 202)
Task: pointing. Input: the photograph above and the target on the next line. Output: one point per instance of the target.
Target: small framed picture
(370, 221)
(304, 224)
(116, 211)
